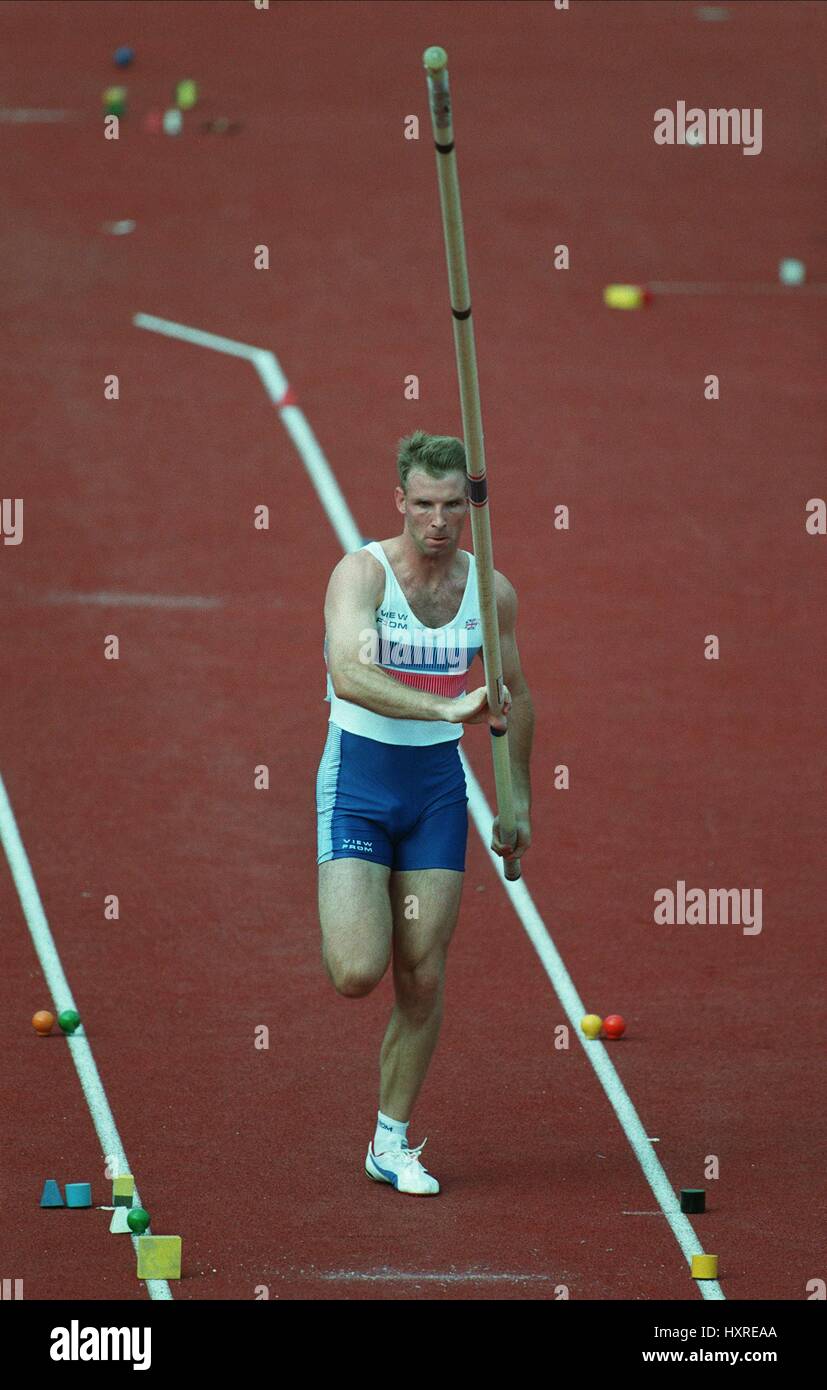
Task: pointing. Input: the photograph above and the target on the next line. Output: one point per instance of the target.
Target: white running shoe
(402, 1169)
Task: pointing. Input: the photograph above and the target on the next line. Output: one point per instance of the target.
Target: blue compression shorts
(392, 803)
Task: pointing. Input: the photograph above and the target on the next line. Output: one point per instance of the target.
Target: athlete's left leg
(425, 904)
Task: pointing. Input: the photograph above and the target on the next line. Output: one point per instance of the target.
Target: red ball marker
(614, 1026)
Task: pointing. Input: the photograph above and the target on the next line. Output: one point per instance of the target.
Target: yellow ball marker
(591, 1025)
(624, 296)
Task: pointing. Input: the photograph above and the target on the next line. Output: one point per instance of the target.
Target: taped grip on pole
(511, 867)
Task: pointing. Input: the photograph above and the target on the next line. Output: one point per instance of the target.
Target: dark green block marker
(693, 1199)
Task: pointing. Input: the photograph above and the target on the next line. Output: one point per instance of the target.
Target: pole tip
(435, 59)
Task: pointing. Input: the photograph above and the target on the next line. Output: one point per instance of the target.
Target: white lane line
(404, 1276)
(309, 450)
(62, 998)
(595, 1050)
(734, 287)
(27, 115)
(339, 515)
(195, 336)
(293, 418)
(113, 600)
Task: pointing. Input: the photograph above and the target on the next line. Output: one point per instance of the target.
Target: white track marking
(318, 469)
(105, 600)
(22, 115)
(52, 968)
(339, 516)
(404, 1276)
(293, 418)
(732, 287)
(594, 1049)
(195, 336)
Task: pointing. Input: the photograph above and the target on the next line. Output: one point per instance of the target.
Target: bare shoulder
(358, 573)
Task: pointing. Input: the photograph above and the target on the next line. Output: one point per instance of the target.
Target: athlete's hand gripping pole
(436, 67)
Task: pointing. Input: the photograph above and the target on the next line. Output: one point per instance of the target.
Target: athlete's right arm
(353, 643)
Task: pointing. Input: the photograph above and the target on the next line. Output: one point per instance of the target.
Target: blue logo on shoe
(386, 1173)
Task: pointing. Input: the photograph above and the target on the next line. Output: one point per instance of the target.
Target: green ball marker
(68, 1020)
(435, 59)
(137, 1220)
(114, 101)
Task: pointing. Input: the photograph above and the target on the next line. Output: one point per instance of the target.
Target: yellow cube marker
(186, 95)
(624, 296)
(704, 1266)
(123, 1189)
(159, 1257)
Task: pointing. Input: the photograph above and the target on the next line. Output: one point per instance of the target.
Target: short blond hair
(435, 454)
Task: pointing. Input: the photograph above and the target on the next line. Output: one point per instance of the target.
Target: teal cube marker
(791, 271)
(78, 1194)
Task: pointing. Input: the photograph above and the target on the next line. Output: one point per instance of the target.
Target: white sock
(390, 1134)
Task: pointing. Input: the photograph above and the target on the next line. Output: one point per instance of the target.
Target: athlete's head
(433, 495)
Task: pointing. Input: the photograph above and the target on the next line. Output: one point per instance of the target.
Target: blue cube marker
(124, 56)
(51, 1194)
(791, 271)
(78, 1194)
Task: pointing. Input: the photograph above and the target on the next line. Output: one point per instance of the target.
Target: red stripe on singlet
(450, 686)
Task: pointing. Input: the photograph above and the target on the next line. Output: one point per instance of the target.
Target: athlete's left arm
(520, 718)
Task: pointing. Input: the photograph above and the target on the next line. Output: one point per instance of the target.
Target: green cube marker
(186, 95)
(114, 101)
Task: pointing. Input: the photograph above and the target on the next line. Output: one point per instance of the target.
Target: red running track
(135, 777)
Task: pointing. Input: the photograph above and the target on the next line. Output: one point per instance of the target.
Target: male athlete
(402, 626)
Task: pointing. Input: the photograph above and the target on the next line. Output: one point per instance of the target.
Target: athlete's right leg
(354, 901)
(357, 923)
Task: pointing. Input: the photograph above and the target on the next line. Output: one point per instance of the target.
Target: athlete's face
(434, 511)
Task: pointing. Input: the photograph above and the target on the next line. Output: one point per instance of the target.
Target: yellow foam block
(124, 1186)
(159, 1257)
(704, 1266)
(186, 95)
(623, 296)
